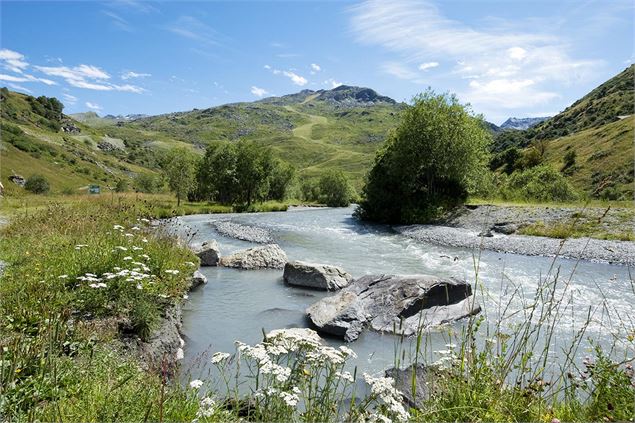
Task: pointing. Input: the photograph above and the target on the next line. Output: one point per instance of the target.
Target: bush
(335, 191)
(37, 184)
(540, 183)
(429, 164)
(148, 183)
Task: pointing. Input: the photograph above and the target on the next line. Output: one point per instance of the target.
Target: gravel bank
(243, 232)
(467, 228)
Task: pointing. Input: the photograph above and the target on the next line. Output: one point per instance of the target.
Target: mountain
(522, 123)
(339, 128)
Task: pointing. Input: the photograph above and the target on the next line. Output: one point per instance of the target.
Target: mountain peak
(522, 123)
(340, 96)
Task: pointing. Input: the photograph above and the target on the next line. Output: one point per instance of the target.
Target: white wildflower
(63, 276)
(196, 384)
(118, 227)
(135, 228)
(135, 248)
(189, 263)
(348, 352)
(144, 220)
(185, 296)
(127, 258)
(346, 376)
(289, 398)
(121, 247)
(129, 235)
(219, 357)
(206, 407)
(144, 240)
(172, 271)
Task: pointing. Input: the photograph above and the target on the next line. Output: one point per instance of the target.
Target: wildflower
(163, 296)
(346, 376)
(128, 235)
(63, 276)
(289, 398)
(145, 256)
(172, 272)
(98, 285)
(196, 384)
(144, 240)
(135, 248)
(118, 227)
(120, 247)
(135, 228)
(206, 407)
(185, 296)
(189, 263)
(219, 357)
(144, 220)
(139, 286)
(127, 258)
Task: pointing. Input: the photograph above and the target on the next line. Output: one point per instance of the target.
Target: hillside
(314, 130)
(37, 138)
(603, 159)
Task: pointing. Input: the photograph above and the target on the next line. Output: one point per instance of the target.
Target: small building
(94, 189)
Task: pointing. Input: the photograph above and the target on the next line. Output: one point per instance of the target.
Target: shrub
(540, 183)
(335, 191)
(37, 184)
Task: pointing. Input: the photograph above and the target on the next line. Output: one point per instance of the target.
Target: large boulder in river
(268, 256)
(316, 276)
(197, 280)
(208, 252)
(393, 303)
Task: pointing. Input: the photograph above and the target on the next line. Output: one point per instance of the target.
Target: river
(240, 304)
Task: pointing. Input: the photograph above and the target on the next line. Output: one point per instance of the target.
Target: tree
(429, 164)
(121, 185)
(280, 180)
(252, 169)
(179, 166)
(335, 191)
(148, 183)
(37, 184)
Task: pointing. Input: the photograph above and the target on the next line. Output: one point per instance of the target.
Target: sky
(505, 58)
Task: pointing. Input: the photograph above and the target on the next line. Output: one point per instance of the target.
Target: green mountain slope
(314, 130)
(37, 138)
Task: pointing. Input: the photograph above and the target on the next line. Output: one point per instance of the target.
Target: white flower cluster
(384, 389)
(196, 384)
(206, 407)
(219, 357)
(448, 358)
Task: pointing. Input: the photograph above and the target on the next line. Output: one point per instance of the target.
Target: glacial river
(240, 304)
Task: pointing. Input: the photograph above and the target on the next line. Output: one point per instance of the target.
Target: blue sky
(507, 58)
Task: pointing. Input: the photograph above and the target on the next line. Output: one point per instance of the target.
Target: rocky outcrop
(267, 256)
(18, 180)
(208, 252)
(393, 303)
(164, 348)
(316, 276)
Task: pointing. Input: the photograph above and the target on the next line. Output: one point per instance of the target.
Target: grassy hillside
(313, 130)
(38, 139)
(603, 159)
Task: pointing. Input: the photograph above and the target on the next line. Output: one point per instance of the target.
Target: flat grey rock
(393, 303)
(268, 256)
(316, 276)
(208, 252)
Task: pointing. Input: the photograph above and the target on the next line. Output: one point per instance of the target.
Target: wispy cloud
(294, 77)
(69, 99)
(192, 28)
(13, 61)
(88, 77)
(498, 55)
(428, 65)
(18, 87)
(258, 92)
(25, 78)
(316, 67)
(117, 21)
(332, 83)
(131, 75)
(93, 106)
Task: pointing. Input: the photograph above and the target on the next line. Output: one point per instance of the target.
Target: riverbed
(240, 304)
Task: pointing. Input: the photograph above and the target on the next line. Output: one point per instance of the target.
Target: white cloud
(398, 70)
(193, 29)
(428, 65)
(26, 78)
(332, 83)
(19, 88)
(295, 78)
(268, 67)
(495, 51)
(130, 75)
(93, 106)
(258, 92)
(316, 67)
(88, 77)
(69, 99)
(12, 60)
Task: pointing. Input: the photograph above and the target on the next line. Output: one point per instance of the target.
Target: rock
(267, 256)
(393, 303)
(505, 228)
(208, 252)
(18, 180)
(316, 276)
(487, 234)
(197, 280)
(424, 383)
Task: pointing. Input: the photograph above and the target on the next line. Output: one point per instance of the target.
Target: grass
(572, 229)
(63, 357)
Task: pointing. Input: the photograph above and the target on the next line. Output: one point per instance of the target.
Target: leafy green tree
(568, 162)
(179, 167)
(280, 180)
(148, 183)
(310, 189)
(37, 184)
(434, 157)
(540, 183)
(335, 191)
(252, 169)
(121, 185)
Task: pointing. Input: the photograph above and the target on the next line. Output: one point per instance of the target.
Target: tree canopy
(435, 156)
